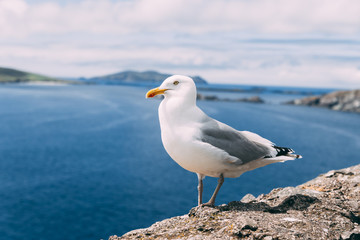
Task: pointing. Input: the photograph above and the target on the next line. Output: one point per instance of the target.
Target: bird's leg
(200, 188)
(211, 202)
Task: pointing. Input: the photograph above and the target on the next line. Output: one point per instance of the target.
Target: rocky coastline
(327, 207)
(347, 101)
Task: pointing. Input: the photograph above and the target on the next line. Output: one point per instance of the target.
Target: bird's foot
(208, 204)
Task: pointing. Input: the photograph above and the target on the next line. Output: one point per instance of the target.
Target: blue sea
(87, 162)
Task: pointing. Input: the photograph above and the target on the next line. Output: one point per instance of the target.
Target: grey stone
(248, 198)
(346, 235)
(290, 191)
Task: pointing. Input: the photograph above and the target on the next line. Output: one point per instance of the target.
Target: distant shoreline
(345, 101)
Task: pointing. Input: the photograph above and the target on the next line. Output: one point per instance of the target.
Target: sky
(313, 43)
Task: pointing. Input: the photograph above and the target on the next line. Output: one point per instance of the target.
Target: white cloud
(299, 42)
(187, 16)
(16, 7)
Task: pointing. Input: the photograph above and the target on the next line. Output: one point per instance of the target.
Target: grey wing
(232, 141)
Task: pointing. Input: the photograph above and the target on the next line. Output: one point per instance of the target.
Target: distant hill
(130, 77)
(9, 75)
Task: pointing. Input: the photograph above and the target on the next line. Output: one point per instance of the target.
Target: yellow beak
(155, 91)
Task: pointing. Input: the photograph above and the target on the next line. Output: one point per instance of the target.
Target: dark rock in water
(254, 99)
(207, 97)
(348, 101)
(326, 207)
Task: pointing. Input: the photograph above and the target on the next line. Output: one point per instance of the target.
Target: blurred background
(297, 43)
(80, 149)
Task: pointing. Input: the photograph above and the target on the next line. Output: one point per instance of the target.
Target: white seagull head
(174, 87)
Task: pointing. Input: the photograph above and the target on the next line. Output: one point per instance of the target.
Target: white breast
(180, 137)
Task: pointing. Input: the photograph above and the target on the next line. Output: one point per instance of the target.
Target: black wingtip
(283, 151)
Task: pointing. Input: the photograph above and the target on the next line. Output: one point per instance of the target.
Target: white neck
(179, 111)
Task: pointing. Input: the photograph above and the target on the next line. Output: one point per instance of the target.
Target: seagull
(205, 146)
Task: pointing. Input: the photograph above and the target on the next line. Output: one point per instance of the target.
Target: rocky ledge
(348, 101)
(327, 207)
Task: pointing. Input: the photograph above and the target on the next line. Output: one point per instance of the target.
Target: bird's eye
(176, 82)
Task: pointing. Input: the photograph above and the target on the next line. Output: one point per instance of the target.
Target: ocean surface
(87, 162)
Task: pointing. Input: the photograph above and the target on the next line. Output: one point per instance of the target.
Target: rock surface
(348, 101)
(327, 207)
